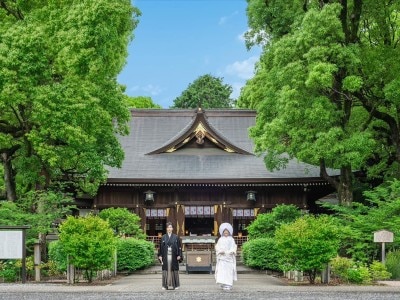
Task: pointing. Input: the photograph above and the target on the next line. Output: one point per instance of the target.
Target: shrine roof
(175, 145)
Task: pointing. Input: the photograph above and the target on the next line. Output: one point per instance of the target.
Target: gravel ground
(198, 286)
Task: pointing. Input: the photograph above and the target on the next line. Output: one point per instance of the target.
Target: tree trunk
(345, 187)
(9, 182)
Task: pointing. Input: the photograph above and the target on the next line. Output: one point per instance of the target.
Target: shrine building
(197, 169)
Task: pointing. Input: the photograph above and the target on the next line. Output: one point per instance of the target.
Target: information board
(11, 244)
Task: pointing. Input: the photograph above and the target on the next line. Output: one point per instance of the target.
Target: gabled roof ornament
(199, 130)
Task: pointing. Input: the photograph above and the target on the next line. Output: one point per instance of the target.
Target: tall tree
(326, 86)
(141, 102)
(206, 91)
(60, 104)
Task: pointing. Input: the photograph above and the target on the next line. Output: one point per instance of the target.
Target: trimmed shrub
(89, 243)
(261, 253)
(134, 254)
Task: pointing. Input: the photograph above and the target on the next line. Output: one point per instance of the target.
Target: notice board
(11, 243)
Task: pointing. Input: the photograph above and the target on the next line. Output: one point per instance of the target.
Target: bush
(134, 254)
(359, 275)
(393, 264)
(308, 244)
(123, 222)
(29, 267)
(266, 224)
(58, 256)
(339, 266)
(8, 271)
(261, 253)
(89, 243)
(378, 271)
(51, 269)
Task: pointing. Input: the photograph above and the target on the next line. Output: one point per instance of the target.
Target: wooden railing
(240, 240)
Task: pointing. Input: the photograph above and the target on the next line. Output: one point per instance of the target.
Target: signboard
(383, 236)
(11, 243)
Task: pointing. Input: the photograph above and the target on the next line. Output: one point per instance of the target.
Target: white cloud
(241, 38)
(134, 88)
(236, 87)
(222, 20)
(225, 19)
(152, 89)
(242, 69)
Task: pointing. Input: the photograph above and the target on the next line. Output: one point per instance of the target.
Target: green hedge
(134, 254)
(261, 253)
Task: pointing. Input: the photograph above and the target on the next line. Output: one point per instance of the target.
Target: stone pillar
(326, 274)
(37, 260)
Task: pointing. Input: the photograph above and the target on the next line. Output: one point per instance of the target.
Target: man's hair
(169, 223)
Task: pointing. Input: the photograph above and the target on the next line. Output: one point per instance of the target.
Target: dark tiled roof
(152, 129)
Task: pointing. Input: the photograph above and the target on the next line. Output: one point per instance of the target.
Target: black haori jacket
(175, 243)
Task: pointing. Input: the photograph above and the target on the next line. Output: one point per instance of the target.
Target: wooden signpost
(383, 236)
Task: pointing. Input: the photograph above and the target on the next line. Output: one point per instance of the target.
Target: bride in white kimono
(225, 249)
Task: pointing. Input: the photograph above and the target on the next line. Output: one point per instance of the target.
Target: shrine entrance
(199, 226)
(199, 220)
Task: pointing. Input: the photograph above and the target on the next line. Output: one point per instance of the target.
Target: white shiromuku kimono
(225, 269)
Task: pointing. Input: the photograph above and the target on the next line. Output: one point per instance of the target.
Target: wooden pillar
(180, 219)
(217, 218)
(141, 212)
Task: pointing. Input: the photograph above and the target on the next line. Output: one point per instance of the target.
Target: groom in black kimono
(170, 254)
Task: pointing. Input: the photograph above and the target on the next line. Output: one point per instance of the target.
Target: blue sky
(176, 41)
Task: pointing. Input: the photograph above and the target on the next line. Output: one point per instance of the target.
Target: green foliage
(379, 271)
(307, 244)
(380, 211)
(29, 265)
(261, 253)
(141, 102)
(134, 254)
(58, 255)
(206, 92)
(8, 271)
(51, 269)
(339, 266)
(37, 209)
(89, 243)
(2, 186)
(326, 87)
(393, 263)
(266, 224)
(359, 275)
(346, 270)
(123, 222)
(61, 105)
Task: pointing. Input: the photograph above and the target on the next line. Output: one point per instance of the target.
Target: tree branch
(16, 12)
